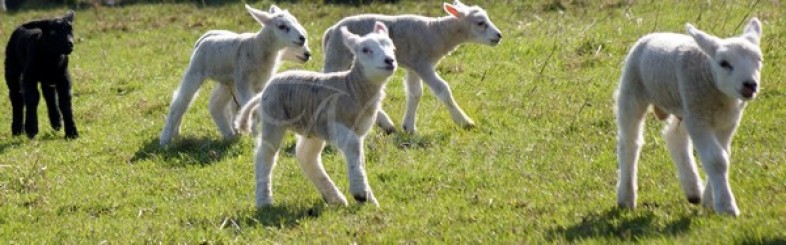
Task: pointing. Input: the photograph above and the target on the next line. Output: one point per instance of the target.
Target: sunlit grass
(539, 168)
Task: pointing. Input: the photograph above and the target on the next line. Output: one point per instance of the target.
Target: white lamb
(337, 107)
(240, 63)
(421, 43)
(699, 84)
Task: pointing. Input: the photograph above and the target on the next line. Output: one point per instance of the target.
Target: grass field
(539, 168)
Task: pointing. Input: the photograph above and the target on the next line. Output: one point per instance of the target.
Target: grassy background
(539, 168)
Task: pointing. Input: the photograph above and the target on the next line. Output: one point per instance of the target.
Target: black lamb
(38, 52)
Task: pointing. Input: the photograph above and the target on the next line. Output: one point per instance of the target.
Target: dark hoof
(71, 136)
(390, 131)
(360, 198)
(56, 127)
(16, 132)
(694, 200)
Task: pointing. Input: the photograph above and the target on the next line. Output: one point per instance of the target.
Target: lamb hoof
(730, 212)
(468, 124)
(31, 134)
(389, 131)
(626, 205)
(694, 200)
(338, 201)
(366, 199)
(72, 136)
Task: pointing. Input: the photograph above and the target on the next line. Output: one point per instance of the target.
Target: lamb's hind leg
(441, 89)
(219, 110)
(13, 78)
(308, 153)
(630, 122)
(414, 92)
(680, 148)
(351, 145)
(181, 100)
(265, 156)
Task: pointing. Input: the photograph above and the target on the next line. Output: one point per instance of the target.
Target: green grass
(539, 168)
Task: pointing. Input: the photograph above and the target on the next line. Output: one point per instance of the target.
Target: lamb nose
(499, 35)
(750, 85)
(302, 38)
(389, 61)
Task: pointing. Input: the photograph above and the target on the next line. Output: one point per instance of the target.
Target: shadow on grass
(417, 141)
(185, 151)
(763, 241)
(6, 145)
(278, 216)
(621, 224)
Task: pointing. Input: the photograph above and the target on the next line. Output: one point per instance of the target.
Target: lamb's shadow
(621, 224)
(279, 216)
(186, 151)
(764, 241)
(417, 141)
(9, 144)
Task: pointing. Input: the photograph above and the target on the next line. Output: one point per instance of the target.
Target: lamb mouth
(300, 44)
(747, 93)
(388, 68)
(303, 58)
(495, 41)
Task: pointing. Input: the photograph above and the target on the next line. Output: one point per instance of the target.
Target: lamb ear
(708, 43)
(69, 16)
(753, 31)
(452, 10)
(260, 16)
(380, 28)
(350, 39)
(274, 9)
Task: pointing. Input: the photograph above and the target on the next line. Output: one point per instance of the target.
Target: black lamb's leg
(48, 91)
(13, 76)
(31, 97)
(63, 88)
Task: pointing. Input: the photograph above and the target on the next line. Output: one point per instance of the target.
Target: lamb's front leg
(308, 152)
(264, 160)
(64, 99)
(384, 122)
(351, 145)
(715, 160)
(441, 89)
(50, 97)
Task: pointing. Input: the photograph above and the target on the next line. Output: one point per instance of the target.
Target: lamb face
(737, 61)
(59, 34)
(737, 70)
(286, 27)
(476, 21)
(375, 52)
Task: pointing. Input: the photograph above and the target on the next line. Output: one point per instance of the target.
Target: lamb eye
(283, 28)
(725, 65)
(482, 23)
(366, 50)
